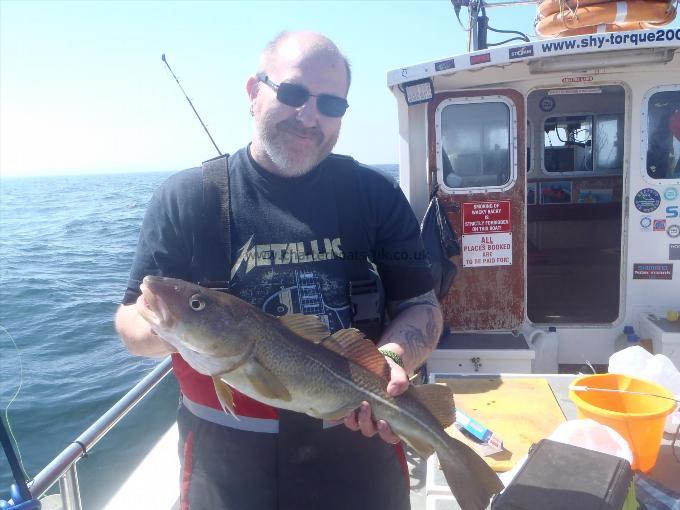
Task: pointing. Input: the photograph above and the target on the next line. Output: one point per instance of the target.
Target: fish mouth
(154, 311)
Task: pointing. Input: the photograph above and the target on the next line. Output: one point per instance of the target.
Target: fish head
(193, 318)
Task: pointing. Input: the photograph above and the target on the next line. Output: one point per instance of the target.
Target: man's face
(296, 139)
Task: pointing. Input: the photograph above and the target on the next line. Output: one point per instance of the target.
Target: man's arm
(137, 335)
(415, 330)
(163, 249)
(413, 335)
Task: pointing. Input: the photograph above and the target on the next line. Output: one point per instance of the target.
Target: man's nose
(308, 113)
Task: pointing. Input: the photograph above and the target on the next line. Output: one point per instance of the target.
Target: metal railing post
(70, 490)
(62, 467)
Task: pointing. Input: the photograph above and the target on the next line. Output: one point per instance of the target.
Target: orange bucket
(638, 418)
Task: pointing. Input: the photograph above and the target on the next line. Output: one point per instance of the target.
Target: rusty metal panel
(493, 297)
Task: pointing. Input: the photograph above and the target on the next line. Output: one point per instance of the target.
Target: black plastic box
(559, 476)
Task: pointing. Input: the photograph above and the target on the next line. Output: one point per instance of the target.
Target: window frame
(512, 143)
(596, 171)
(543, 146)
(644, 134)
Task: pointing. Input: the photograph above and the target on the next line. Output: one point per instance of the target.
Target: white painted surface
(508, 67)
(460, 361)
(664, 342)
(155, 482)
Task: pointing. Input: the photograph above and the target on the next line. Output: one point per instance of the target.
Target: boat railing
(62, 469)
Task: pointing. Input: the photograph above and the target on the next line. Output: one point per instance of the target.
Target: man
(287, 234)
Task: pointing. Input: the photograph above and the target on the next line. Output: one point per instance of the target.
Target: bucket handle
(576, 387)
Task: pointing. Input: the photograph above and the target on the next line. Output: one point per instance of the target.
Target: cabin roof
(646, 40)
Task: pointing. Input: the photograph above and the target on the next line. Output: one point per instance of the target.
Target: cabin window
(578, 131)
(568, 142)
(475, 142)
(609, 141)
(663, 135)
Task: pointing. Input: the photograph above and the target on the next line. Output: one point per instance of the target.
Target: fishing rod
(191, 104)
(21, 498)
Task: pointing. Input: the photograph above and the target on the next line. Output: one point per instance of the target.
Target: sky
(83, 88)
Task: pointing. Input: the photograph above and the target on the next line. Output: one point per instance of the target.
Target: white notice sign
(487, 250)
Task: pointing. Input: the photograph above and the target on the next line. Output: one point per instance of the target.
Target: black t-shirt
(285, 237)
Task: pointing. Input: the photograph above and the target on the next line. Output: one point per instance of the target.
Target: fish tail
(471, 480)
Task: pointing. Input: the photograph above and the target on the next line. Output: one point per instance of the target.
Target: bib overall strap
(364, 289)
(216, 200)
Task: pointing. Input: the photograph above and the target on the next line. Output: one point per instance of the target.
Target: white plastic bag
(586, 434)
(593, 436)
(637, 362)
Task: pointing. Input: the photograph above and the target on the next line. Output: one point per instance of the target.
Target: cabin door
(477, 157)
(574, 220)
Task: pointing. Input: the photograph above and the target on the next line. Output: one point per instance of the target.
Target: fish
(294, 363)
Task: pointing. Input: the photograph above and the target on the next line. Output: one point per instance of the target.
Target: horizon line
(58, 173)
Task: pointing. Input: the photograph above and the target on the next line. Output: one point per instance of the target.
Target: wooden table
(437, 494)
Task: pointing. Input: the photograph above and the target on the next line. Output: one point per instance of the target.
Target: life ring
(549, 7)
(660, 12)
(607, 27)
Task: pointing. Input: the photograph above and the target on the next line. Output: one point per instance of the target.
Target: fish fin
(352, 344)
(265, 382)
(309, 327)
(225, 396)
(470, 478)
(438, 398)
(333, 415)
(422, 448)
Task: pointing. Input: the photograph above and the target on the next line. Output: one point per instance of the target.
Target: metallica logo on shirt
(254, 255)
(295, 277)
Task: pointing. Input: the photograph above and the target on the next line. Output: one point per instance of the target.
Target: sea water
(66, 246)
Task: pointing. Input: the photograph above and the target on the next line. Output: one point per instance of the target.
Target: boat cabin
(558, 165)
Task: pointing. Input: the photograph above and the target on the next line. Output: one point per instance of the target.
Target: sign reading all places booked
(487, 236)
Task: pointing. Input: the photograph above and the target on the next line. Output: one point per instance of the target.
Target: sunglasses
(296, 95)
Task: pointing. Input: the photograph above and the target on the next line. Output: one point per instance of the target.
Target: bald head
(292, 136)
(299, 47)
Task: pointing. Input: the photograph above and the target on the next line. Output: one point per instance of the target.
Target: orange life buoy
(548, 7)
(607, 27)
(660, 12)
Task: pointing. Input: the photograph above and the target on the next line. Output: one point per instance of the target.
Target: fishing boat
(557, 163)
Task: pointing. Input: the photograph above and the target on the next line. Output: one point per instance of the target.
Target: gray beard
(288, 162)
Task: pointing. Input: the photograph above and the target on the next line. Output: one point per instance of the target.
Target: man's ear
(252, 87)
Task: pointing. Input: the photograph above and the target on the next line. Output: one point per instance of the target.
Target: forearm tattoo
(418, 332)
(420, 341)
(415, 343)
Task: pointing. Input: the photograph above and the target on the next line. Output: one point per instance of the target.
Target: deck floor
(160, 468)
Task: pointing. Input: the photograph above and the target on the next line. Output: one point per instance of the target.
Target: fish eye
(196, 303)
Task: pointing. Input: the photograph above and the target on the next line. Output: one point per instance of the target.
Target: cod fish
(293, 363)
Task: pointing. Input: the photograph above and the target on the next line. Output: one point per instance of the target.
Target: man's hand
(362, 419)
(136, 333)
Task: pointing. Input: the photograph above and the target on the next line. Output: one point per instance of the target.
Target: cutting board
(519, 411)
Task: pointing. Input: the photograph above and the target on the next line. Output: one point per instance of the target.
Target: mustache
(296, 127)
